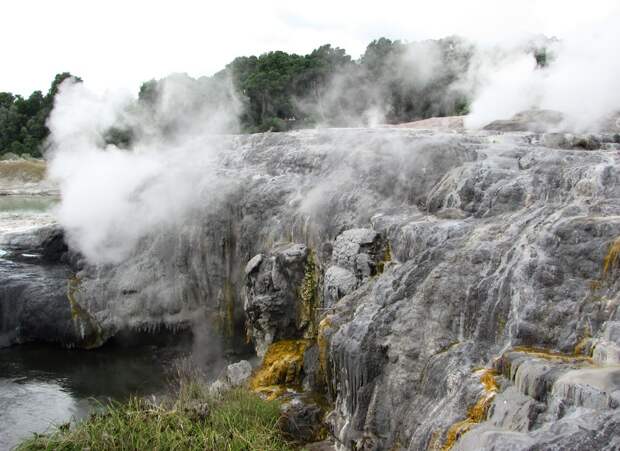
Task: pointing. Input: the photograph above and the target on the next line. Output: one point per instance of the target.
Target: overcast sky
(119, 43)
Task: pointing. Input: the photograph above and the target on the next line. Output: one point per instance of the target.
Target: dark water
(42, 386)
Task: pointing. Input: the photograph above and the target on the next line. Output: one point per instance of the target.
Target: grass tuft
(194, 420)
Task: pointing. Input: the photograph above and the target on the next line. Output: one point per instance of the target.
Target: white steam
(582, 80)
(506, 87)
(390, 82)
(113, 197)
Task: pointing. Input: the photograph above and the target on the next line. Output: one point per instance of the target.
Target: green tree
(23, 120)
(58, 79)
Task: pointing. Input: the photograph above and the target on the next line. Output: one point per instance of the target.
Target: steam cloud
(582, 81)
(112, 197)
(421, 74)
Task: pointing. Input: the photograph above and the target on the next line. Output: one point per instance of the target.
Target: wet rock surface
(550, 401)
(237, 374)
(34, 277)
(532, 120)
(273, 290)
(501, 250)
(357, 255)
(301, 420)
(34, 305)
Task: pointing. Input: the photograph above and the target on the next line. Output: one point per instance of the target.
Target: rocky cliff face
(450, 289)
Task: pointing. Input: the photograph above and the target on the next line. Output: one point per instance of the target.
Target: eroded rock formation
(442, 290)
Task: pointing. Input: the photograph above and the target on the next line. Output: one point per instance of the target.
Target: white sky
(118, 44)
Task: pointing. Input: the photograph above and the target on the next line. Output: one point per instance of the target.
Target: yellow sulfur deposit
(387, 257)
(552, 355)
(476, 413)
(612, 258)
(455, 431)
(582, 344)
(610, 262)
(85, 325)
(281, 367)
(308, 297)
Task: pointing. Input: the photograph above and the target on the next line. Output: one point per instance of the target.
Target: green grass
(237, 420)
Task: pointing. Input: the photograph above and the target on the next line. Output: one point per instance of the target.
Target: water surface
(22, 214)
(42, 386)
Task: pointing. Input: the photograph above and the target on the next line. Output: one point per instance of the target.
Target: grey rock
(197, 411)
(338, 283)
(606, 353)
(34, 304)
(237, 374)
(612, 332)
(34, 291)
(301, 420)
(253, 264)
(583, 429)
(571, 141)
(531, 120)
(358, 250)
(514, 411)
(593, 388)
(357, 255)
(323, 445)
(606, 349)
(218, 387)
(273, 305)
(304, 187)
(521, 265)
(313, 378)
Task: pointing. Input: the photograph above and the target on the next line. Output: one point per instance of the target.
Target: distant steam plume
(582, 79)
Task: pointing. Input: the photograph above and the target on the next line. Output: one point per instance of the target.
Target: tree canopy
(393, 80)
(398, 81)
(404, 81)
(22, 120)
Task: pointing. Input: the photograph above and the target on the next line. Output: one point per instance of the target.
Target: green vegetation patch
(23, 128)
(309, 297)
(235, 420)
